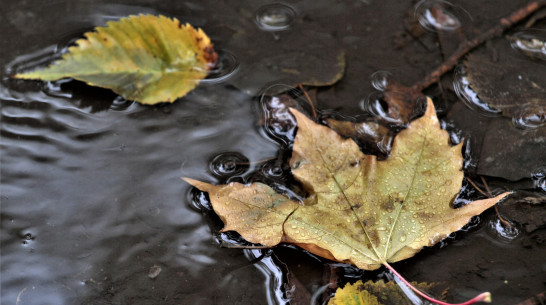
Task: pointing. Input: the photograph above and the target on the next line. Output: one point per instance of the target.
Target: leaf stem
(483, 297)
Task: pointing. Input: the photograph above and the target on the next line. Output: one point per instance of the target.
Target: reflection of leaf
(370, 293)
(360, 210)
(146, 58)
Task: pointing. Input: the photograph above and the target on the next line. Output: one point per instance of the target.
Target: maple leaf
(360, 211)
(146, 58)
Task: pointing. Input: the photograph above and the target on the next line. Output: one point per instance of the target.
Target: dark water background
(90, 184)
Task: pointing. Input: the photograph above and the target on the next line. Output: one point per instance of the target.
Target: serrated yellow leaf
(146, 58)
(360, 210)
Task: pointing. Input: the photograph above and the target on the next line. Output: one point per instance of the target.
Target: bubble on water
(275, 17)
(120, 104)
(502, 231)
(272, 170)
(27, 238)
(438, 15)
(530, 42)
(226, 66)
(54, 88)
(381, 79)
(375, 104)
(228, 164)
(278, 123)
(539, 177)
(530, 117)
(468, 96)
(198, 200)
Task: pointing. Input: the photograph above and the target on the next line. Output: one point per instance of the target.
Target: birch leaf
(146, 58)
(360, 210)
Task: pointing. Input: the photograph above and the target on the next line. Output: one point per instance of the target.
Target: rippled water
(93, 207)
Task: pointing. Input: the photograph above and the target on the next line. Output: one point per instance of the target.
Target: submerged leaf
(378, 292)
(359, 210)
(146, 58)
(353, 295)
(507, 81)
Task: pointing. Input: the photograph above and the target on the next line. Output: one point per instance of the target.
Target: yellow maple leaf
(360, 210)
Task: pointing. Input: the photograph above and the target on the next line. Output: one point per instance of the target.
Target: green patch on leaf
(149, 59)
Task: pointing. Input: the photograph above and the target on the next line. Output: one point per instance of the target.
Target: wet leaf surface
(290, 64)
(498, 148)
(376, 211)
(507, 80)
(145, 58)
(510, 152)
(380, 293)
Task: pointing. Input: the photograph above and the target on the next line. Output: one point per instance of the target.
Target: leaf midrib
(407, 194)
(332, 174)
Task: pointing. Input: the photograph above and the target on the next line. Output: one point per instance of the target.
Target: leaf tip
(300, 117)
(203, 186)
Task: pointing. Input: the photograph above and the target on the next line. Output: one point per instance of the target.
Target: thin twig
(309, 100)
(476, 187)
(469, 45)
(504, 222)
(486, 187)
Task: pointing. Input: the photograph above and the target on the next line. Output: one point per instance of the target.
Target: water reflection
(381, 79)
(503, 232)
(530, 117)
(274, 277)
(468, 96)
(106, 199)
(531, 43)
(440, 15)
(226, 66)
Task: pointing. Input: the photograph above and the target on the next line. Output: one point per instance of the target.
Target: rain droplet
(226, 66)
(279, 123)
(468, 96)
(120, 104)
(530, 117)
(530, 42)
(228, 164)
(505, 233)
(403, 238)
(28, 238)
(375, 105)
(381, 79)
(438, 15)
(198, 200)
(272, 170)
(539, 178)
(275, 17)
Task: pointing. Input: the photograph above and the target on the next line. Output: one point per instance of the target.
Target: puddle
(93, 207)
